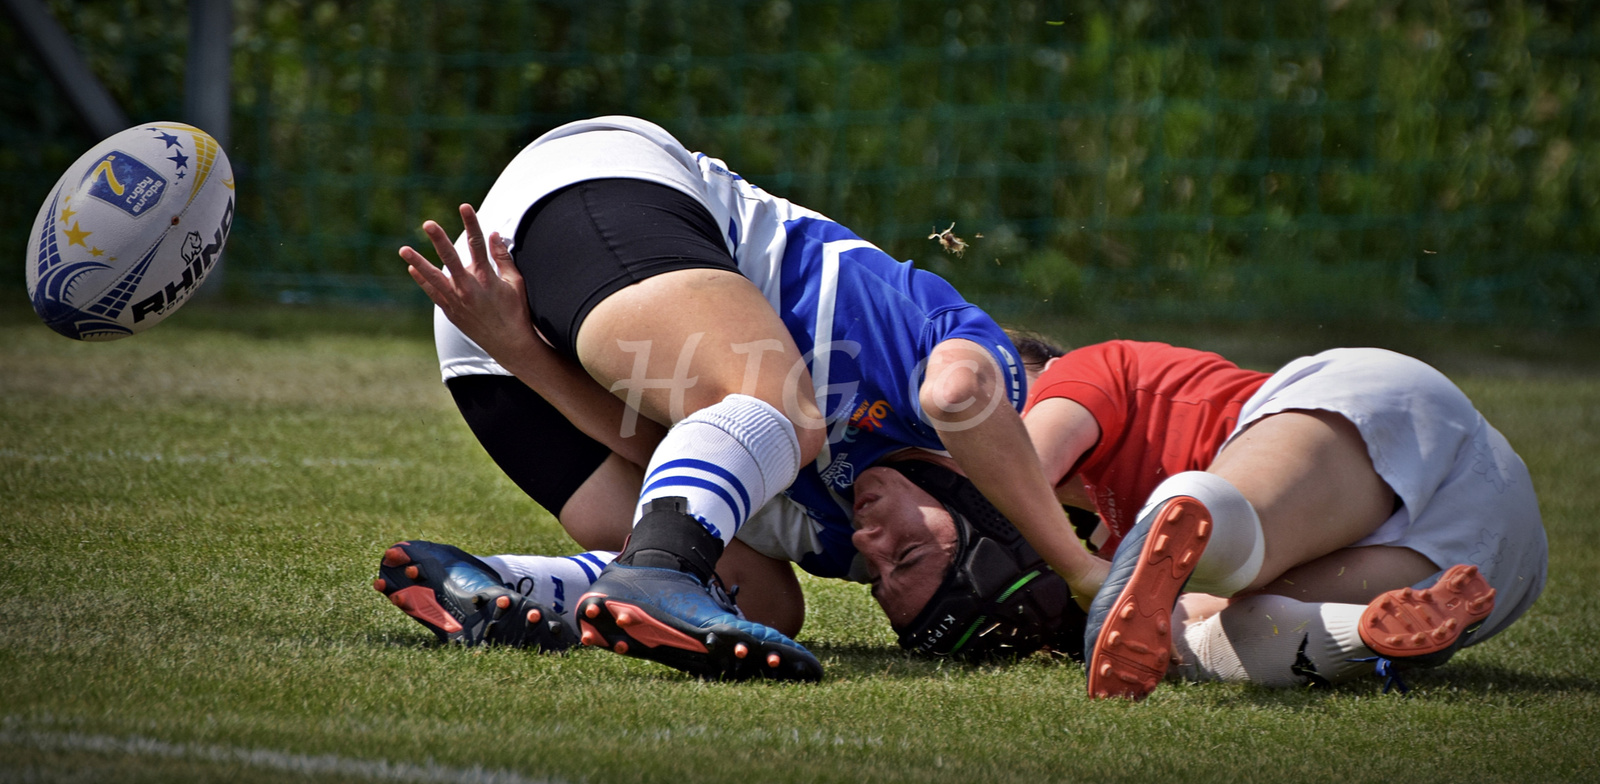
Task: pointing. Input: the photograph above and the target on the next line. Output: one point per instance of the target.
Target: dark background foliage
(1345, 160)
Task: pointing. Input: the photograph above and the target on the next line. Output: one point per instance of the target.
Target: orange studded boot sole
(1406, 623)
(1133, 648)
(720, 651)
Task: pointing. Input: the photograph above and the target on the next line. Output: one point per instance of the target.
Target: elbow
(962, 392)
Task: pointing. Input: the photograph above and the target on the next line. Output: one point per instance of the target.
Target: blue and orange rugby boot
(461, 600)
(660, 600)
(1128, 636)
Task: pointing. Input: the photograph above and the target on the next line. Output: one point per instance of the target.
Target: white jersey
(626, 147)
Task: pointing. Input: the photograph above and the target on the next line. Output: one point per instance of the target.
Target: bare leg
(769, 594)
(1261, 639)
(600, 514)
(695, 323)
(1292, 488)
(1312, 484)
(1353, 575)
(676, 347)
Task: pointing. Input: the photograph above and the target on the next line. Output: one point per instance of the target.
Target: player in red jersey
(1352, 505)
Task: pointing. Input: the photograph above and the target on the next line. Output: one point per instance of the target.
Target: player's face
(906, 538)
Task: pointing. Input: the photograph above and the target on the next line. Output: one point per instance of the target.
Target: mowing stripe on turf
(305, 764)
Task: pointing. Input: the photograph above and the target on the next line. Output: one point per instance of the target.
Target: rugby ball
(130, 232)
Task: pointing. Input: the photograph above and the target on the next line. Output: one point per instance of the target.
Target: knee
(811, 440)
(769, 592)
(1233, 556)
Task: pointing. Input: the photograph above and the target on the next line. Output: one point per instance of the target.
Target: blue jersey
(867, 324)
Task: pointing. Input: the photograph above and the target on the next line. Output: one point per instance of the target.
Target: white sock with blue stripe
(727, 460)
(554, 581)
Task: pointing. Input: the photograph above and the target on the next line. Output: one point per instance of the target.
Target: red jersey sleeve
(1161, 410)
(1094, 377)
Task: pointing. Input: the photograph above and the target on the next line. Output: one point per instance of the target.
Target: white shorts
(1466, 497)
(631, 148)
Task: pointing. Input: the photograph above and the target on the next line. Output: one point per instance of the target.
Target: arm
(491, 308)
(1062, 431)
(963, 397)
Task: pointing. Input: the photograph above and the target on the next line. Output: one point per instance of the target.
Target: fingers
(416, 261)
(461, 285)
(475, 242)
(432, 281)
(444, 247)
(501, 249)
(427, 288)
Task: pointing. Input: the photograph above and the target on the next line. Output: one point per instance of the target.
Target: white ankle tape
(1233, 554)
(1274, 641)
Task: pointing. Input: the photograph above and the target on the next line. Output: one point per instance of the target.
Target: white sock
(1275, 641)
(727, 459)
(1233, 554)
(555, 582)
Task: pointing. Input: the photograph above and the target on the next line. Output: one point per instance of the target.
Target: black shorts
(585, 242)
(574, 248)
(547, 456)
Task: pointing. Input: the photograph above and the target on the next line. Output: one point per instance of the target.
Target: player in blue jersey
(631, 277)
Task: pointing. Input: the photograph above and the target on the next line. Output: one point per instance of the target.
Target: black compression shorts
(585, 242)
(547, 456)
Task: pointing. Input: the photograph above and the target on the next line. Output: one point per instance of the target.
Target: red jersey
(1161, 410)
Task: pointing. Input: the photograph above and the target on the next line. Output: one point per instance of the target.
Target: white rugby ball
(130, 231)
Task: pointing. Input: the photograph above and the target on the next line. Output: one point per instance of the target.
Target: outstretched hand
(488, 302)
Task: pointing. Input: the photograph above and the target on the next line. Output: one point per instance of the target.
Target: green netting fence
(1339, 159)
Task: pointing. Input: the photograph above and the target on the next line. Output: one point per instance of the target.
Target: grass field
(192, 519)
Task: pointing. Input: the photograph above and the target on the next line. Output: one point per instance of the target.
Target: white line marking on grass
(114, 456)
(304, 764)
